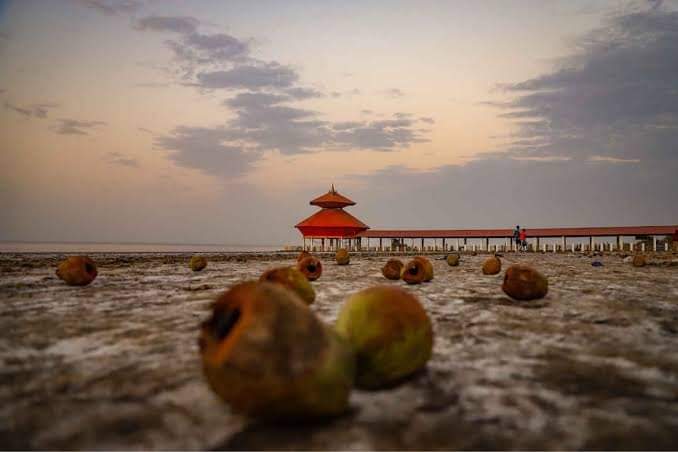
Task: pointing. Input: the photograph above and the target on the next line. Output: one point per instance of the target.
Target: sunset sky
(217, 121)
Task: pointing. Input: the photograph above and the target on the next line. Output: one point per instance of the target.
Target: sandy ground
(115, 365)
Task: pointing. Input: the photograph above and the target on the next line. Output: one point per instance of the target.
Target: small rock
(597, 264)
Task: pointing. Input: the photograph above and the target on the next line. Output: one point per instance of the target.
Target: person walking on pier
(516, 237)
(523, 240)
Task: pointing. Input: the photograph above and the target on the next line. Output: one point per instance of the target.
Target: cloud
(76, 127)
(119, 159)
(495, 193)
(36, 110)
(204, 148)
(394, 93)
(171, 24)
(192, 49)
(382, 135)
(217, 47)
(112, 7)
(427, 119)
(600, 158)
(265, 121)
(265, 75)
(594, 136)
(615, 97)
(300, 93)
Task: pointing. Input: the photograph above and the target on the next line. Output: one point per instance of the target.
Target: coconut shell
(413, 272)
(639, 260)
(266, 354)
(311, 267)
(293, 279)
(491, 266)
(428, 267)
(523, 282)
(392, 269)
(77, 270)
(303, 255)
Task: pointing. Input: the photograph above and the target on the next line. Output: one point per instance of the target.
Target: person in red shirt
(523, 239)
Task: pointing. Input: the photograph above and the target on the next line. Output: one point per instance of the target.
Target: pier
(575, 239)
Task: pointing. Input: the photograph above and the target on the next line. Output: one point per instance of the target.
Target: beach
(115, 365)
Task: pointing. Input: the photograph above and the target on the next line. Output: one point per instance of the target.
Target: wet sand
(115, 365)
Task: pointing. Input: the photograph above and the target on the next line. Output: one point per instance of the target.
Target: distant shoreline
(132, 247)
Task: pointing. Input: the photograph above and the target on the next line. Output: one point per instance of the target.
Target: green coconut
(198, 263)
(390, 332)
(293, 279)
(342, 256)
(267, 355)
(452, 260)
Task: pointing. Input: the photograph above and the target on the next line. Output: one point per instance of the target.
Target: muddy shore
(115, 365)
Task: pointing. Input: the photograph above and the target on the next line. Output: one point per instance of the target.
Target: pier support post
(642, 247)
(487, 244)
(654, 243)
(381, 248)
(537, 248)
(563, 239)
(444, 247)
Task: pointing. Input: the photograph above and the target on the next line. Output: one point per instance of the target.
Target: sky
(217, 122)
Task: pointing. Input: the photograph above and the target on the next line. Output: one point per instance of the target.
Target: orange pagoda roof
(332, 199)
(332, 220)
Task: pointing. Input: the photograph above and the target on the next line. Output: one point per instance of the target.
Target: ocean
(93, 247)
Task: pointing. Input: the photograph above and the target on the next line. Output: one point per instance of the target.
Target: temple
(332, 223)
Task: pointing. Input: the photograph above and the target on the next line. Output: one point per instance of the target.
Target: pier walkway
(632, 238)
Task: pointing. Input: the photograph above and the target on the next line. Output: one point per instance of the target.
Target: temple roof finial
(333, 190)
